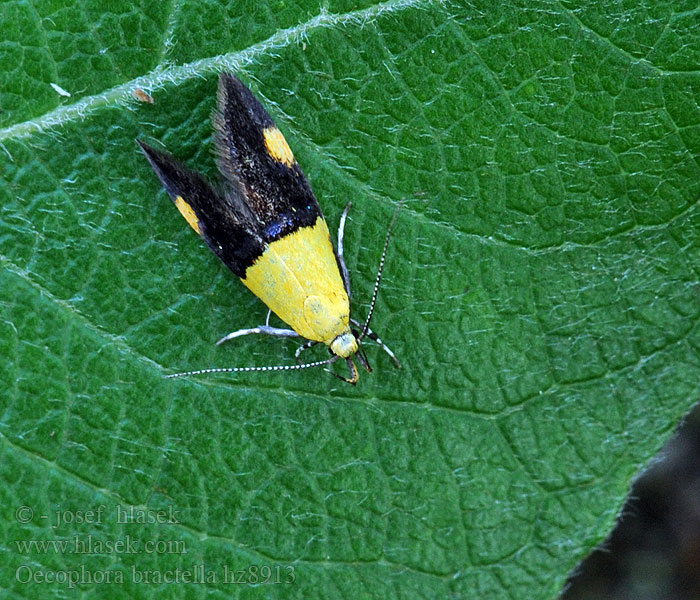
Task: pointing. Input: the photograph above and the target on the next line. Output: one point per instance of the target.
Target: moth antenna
(248, 369)
(365, 327)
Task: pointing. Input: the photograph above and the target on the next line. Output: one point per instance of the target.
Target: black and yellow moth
(265, 224)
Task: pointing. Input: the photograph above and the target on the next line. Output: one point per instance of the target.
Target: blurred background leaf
(541, 291)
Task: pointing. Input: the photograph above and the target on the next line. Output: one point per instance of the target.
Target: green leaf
(540, 290)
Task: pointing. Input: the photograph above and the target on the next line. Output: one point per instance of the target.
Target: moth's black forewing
(223, 223)
(278, 194)
(264, 198)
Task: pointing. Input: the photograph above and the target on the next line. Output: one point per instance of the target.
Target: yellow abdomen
(297, 277)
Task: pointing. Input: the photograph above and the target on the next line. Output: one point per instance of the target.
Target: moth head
(345, 345)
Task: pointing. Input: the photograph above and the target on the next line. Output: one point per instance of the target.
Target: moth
(264, 223)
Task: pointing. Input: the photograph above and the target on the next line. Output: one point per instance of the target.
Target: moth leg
(341, 261)
(354, 375)
(305, 346)
(375, 338)
(264, 329)
(267, 318)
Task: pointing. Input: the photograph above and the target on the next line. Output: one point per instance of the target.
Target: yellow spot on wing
(187, 212)
(277, 146)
